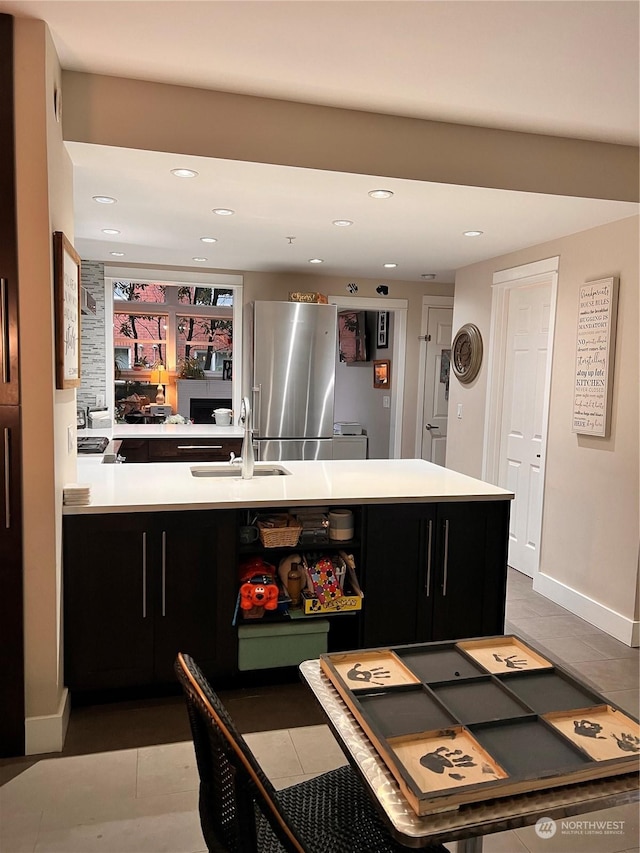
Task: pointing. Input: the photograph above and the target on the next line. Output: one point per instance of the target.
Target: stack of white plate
(76, 494)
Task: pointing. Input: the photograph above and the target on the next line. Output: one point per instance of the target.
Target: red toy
(259, 588)
(256, 593)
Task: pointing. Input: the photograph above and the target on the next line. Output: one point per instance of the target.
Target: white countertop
(154, 486)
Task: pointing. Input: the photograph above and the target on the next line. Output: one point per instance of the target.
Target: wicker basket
(280, 537)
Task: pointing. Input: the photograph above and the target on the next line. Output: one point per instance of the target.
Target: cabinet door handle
(199, 447)
(144, 575)
(4, 331)
(427, 584)
(164, 573)
(7, 479)
(445, 561)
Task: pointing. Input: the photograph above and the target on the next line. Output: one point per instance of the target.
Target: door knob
(430, 427)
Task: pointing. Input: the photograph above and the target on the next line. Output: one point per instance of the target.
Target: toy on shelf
(258, 590)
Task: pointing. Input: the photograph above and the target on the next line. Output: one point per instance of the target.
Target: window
(185, 330)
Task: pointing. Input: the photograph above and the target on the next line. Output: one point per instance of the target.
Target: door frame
(399, 309)
(504, 282)
(428, 302)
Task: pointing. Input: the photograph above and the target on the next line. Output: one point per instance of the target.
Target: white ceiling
(547, 66)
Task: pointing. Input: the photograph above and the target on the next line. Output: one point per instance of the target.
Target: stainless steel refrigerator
(294, 367)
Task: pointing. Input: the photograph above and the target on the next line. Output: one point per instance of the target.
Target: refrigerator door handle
(257, 410)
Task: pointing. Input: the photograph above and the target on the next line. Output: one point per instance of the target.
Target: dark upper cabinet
(9, 378)
(141, 587)
(434, 571)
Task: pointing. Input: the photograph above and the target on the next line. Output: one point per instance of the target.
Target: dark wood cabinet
(179, 450)
(434, 571)
(9, 367)
(198, 589)
(134, 449)
(139, 588)
(193, 449)
(11, 589)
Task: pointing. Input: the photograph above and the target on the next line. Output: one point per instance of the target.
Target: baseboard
(607, 620)
(47, 733)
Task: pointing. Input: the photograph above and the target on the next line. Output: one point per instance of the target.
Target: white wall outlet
(386, 402)
(70, 444)
(101, 400)
(460, 411)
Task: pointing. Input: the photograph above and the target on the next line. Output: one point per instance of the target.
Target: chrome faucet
(248, 457)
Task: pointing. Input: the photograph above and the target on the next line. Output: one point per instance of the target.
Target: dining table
(469, 820)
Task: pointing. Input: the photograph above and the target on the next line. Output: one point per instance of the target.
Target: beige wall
(45, 204)
(134, 113)
(591, 509)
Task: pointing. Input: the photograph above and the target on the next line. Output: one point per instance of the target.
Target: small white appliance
(347, 428)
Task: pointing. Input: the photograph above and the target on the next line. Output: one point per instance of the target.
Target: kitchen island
(151, 564)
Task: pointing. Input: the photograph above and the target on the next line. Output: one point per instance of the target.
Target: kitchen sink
(236, 471)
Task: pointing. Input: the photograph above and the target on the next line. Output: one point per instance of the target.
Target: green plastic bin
(270, 644)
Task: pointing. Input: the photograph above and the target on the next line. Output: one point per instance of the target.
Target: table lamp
(157, 377)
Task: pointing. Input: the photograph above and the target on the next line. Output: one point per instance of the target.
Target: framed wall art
(595, 353)
(382, 373)
(383, 330)
(66, 278)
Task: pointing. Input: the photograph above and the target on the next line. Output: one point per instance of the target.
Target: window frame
(171, 309)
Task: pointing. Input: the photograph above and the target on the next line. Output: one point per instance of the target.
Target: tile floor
(144, 800)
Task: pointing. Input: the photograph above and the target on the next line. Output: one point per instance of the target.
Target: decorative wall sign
(595, 351)
(66, 277)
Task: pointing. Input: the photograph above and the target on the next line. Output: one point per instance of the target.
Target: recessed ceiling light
(380, 193)
(472, 233)
(110, 231)
(316, 261)
(343, 222)
(389, 266)
(223, 211)
(428, 275)
(209, 239)
(117, 254)
(184, 173)
(199, 259)
(104, 199)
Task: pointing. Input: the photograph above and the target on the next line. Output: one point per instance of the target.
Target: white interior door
(522, 428)
(436, 385)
